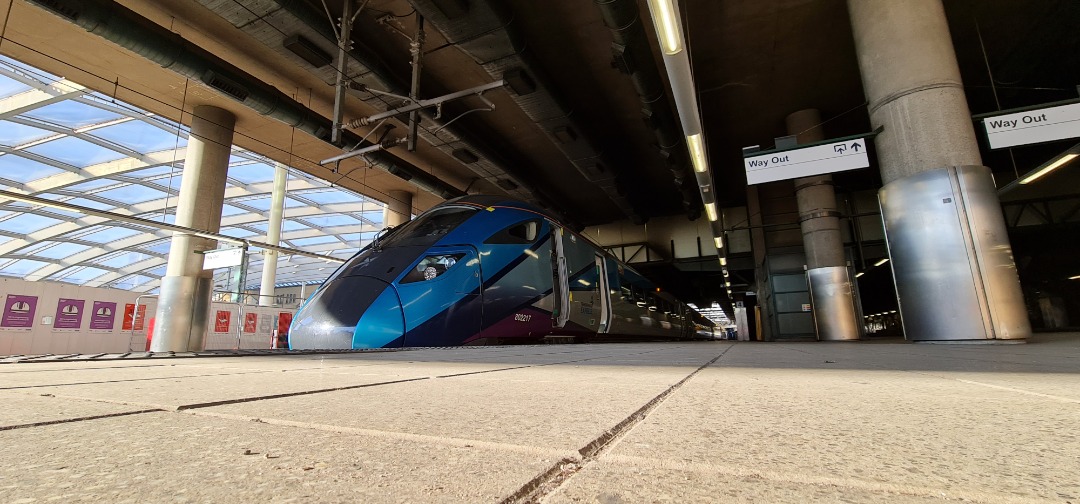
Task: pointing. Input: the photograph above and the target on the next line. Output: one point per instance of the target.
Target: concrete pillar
(818, 217)
(398, 208)
(273, 236)
(831, 289)
(951, 259)
(912, 82)
(184, 298)
(761, 273)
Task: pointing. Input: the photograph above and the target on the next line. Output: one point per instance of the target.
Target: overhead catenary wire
(176, 147)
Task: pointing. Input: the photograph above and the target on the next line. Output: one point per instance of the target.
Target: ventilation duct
(632, 55)
(127, 29)
(366, 69)
(465, 156)
(486, 34)
(307, 50)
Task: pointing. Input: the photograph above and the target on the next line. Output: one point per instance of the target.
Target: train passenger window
(431, 267)
(520, 233)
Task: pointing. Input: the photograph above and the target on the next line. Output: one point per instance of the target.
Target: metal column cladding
(951, 257)
(184, 300)
(834, 303)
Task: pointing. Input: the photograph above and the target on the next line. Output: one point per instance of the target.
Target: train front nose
(349, 312)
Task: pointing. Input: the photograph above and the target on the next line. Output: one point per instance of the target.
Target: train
(483, 269)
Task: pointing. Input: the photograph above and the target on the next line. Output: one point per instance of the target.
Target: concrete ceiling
(754, 62)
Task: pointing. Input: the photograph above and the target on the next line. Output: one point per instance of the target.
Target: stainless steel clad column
(273, 236)
(184, 300)
(830, 282)
(398, 208)
(934, 222)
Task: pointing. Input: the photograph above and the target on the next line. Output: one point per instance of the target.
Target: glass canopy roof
(63, 142)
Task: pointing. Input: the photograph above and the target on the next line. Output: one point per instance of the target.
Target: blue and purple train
(485, 270)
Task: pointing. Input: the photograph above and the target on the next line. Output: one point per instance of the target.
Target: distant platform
(718, 421)
(22, 359)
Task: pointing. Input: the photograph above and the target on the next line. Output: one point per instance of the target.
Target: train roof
(491, 200)
(488, 200)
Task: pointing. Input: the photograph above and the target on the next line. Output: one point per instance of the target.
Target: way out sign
(817, 159)
(1032, 126)
(223, 258)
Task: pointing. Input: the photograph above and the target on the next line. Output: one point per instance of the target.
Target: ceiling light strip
(1051, 167)
(668, 28)
(667, 21)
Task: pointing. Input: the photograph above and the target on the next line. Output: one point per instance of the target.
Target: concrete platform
(617, 423)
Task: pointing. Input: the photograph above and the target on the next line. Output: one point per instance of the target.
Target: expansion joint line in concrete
(910, 91)
(799, 187)
(79, 419)
(185, 407)
(818, 214)
(550, 480)
(454, 375)
(351, 387)
(47, 385)
(292, 394)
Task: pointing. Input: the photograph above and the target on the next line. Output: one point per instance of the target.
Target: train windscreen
(429, 227)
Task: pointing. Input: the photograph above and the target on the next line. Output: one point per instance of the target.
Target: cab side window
(431, 267)
(521, 233)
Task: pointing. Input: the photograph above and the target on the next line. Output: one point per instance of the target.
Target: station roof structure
(64, 142)
(586, 127)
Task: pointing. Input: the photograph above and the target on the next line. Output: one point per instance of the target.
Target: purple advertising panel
(103, 317)
(19, 312)
(69, 313)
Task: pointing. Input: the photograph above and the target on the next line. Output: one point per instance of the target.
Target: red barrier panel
(149, 333)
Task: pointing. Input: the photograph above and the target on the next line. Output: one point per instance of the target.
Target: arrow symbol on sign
(855, 146)
(840, 148)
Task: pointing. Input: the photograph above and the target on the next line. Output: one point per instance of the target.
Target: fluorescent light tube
(710, 210)
(697, 153)
(1053, 166)
(666, 21)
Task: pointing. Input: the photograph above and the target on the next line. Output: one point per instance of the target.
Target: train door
(603, 293)
(561, 290)
(583, 280)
